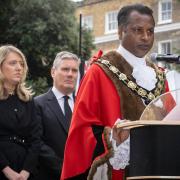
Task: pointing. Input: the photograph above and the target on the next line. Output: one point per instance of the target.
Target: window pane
(87, 22)
(166, 48)
(166, 12)
(112, 21)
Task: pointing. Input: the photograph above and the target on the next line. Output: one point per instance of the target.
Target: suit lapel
(56, 109)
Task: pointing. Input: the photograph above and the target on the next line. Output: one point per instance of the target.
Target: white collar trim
(130, 58)
(60, 95)
(144, 75)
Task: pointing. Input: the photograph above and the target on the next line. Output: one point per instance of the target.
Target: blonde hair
(24, 93)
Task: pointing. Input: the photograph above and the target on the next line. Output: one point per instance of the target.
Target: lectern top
(139, 123)
(164, 110)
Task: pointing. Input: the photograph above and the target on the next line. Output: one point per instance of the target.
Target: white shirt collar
(130, 58)
(60, 95)
(144, 75)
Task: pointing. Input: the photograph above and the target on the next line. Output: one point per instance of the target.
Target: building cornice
(158, 29)
(106, 38)
(89, 3)
(167, 27)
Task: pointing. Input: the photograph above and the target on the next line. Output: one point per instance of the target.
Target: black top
(17, 119)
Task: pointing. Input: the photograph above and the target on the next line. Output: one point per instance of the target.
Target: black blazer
(55, 131)
(17, 119)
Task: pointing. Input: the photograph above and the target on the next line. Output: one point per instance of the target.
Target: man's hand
(25, 174)
(120, 134)
(11, 174)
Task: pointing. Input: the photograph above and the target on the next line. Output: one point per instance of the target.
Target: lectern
(155, 152)
(155, 140)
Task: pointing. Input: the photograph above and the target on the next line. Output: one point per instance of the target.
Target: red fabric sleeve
(97, 103)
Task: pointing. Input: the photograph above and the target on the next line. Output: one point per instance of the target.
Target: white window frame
(160, 43)
(160, 17)
(87, 22)
(107, 22)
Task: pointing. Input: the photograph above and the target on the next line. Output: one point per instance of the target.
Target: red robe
(97, 103)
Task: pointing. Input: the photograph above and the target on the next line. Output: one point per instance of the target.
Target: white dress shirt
(59, 96)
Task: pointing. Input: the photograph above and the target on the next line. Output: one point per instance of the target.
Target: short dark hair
(124, 12)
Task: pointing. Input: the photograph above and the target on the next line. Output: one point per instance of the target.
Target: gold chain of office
(143, 93)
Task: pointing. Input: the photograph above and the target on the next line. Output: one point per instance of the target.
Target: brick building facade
(101, 17)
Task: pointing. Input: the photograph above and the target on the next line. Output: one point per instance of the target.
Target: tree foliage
(41, 28)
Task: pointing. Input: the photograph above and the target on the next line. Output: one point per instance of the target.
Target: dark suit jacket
(55, 131)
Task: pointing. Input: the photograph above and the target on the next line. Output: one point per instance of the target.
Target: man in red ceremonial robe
(119, 84)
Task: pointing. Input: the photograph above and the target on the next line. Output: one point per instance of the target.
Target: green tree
(41, 28)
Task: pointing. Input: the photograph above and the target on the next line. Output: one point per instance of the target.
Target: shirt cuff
(121, 154)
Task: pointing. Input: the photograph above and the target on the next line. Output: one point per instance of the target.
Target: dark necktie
(67, 109)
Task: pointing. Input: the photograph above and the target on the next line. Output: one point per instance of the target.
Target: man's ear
(52, 72)
(120, 32)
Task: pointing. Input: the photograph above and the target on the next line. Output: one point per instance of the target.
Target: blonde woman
(19, 131)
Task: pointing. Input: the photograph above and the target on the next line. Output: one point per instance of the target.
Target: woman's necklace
(11, 93)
